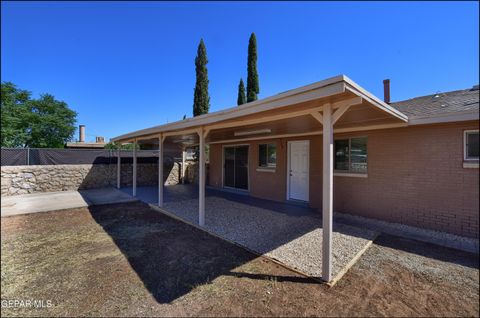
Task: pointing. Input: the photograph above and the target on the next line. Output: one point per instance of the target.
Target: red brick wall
(415, 177)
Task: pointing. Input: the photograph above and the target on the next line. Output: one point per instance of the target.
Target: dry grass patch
(129, 260)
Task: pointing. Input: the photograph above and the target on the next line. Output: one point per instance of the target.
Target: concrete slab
(105, 196)
(53, 201)
(41, 202)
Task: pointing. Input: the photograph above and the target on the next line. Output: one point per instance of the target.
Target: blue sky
(124, 66)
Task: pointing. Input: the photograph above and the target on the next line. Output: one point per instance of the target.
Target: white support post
(184, 159)
(201, 180)
(160, 171)
(327, 212)
(118, 168)
(134, 181)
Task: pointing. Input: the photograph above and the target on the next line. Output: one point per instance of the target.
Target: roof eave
(247, 109)
(444, 118)
(372, 99)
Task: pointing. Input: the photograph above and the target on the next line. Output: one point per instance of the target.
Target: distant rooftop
(86, 145)
(461, 101)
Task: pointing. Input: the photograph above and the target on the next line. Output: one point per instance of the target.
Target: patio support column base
(201, 179)
(327, 198)
(160, 171)
(134, 181)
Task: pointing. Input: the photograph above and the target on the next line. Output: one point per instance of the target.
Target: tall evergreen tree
(201, 99)
(242, 99)
(253, 87)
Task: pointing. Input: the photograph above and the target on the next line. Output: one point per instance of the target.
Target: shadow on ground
(170, 257)
(429, 250)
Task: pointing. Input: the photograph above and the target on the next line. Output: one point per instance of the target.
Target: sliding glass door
(235, 165)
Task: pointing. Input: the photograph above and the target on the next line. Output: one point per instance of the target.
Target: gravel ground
(294, 239)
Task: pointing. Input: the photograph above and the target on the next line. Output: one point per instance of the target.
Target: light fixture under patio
(252, 132)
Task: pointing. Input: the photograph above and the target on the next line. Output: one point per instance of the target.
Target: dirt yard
(129, 260)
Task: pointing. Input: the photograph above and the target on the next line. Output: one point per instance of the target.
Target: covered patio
(287, 233)
(336, 105)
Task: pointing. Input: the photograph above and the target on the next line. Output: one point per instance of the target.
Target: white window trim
(349, 173)
(265, 169)
(471, 165)
(465, 132)
(338, 173)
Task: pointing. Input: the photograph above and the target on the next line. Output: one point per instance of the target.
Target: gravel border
(292, 239)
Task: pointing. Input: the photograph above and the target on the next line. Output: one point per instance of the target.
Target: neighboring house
(81, 144)
(414, 162)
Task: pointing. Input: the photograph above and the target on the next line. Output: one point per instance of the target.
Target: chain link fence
(46, 156)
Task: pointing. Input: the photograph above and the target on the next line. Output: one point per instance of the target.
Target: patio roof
(289, 112)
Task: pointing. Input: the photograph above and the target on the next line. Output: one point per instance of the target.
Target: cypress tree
(201, 99)
(242, 99)
(253, 87)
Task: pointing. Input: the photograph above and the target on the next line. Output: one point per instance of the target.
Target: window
(267, 155)
(351, 155)
(471, 145)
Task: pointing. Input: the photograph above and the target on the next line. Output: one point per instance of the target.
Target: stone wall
(147, 174)
(191, 172)
(48, 178)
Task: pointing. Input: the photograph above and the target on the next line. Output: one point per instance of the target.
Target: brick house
(336, 147)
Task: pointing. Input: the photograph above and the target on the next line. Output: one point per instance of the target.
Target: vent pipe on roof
(386, 91)
(81, 133)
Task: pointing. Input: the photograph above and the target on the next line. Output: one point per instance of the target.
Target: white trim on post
(118, 168)
(184, 159)
(160, 171)
(327, 198)
(134, 177)
(201, 178)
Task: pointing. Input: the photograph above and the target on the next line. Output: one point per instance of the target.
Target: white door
(298, 169)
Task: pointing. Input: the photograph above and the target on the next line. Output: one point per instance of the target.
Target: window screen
(351, 155)
(342, 156)
(267, 155)
(471, 146)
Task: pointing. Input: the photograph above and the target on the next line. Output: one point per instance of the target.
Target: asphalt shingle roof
(440, 103)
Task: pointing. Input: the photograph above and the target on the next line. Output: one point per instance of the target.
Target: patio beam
(327, 197)
(180, 132)
(201, 178)
(119, 167)
(134, 174)
(160, 170)
(263, 119)
(344, 106)
(317, 116)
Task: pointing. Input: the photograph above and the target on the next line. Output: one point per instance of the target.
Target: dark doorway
(235, 167)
